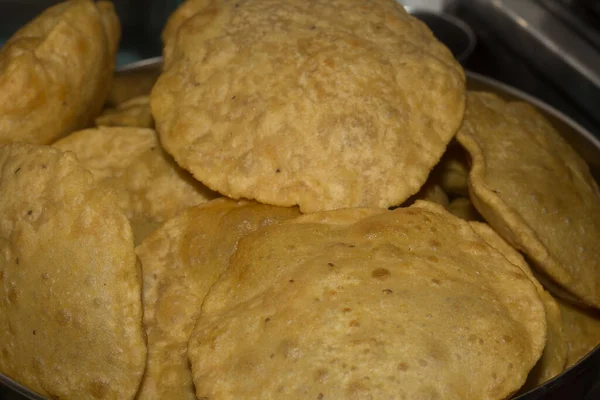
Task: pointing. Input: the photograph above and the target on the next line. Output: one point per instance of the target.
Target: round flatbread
(151, 186)
(134, 113)
(324, 104)
(181, 260)
(554, 357)
(185, 11)
(132, 83)
(463, 208)
(410, 303)
(431, 191)
(535, 191)
(70, 309)
(582, 330)
(452, 172)
(55, 72)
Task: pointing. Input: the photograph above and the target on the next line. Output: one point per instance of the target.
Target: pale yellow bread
(70, 290)
(181, 260)
(151, 186)
(535, 191)
(463, 208)
(55, 72)
(403, 304)
(133, 112)
(324, 104)
(554, 358)
(185, 11)
(431, 191)
(131, 83)
(582, 330)
(452, 172)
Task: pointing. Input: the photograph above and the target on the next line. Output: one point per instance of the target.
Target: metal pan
(578, 382)
(453, 32)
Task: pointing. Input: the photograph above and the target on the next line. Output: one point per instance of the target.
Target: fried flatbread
(324, 104)
(55, 72)
(70, 290)
(535, 191)
(582, 330)
(463, 208)
(554, 357)
(184, 12)
(431, 191)
(180, 261)
(151, 186)
(130, 84)
(134, 113)
(452, 172)
(410, 303)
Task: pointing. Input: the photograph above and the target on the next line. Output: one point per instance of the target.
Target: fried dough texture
(56, 71)
(367, 303)
(321, 104)
(181, 260)
(70, 289)
(554, 357)
(535, 191)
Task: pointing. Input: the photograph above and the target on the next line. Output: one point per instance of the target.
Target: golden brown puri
(462, 207)
(452, 172)
(184, 12)
(447, 184)
(535, 191)
(582, 330)
(430, 191)
(70, 290)
(55, 72)
(325, 104)
(151, 186)
(133, 113)
(554, 357)
(410, 303)
(181, 260)
(130, 84)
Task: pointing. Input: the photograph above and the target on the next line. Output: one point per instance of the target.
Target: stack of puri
(303, 202)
